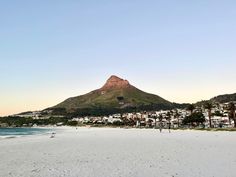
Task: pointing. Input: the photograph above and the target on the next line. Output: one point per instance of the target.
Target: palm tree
(190, 108)
(160, 121)
(231, 108)
(140, 120)
(208, 105)
(177, 115)
(155, 118)
(168, 118)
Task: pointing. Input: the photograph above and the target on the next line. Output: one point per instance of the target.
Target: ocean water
(14, 132)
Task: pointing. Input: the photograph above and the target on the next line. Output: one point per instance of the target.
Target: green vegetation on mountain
(218, 99)
(131, 97)
(116, 95)
(224, 98)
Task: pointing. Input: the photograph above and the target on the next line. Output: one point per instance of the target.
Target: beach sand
(107, 152)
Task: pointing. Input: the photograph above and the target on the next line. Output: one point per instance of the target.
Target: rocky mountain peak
(115, 82)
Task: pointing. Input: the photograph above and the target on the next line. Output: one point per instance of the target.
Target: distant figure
(221, 125)
(169, 126)
(53, 135)
(160, 127)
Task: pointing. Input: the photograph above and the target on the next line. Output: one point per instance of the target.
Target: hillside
(117, 93)
(224, 98)
(219, 99)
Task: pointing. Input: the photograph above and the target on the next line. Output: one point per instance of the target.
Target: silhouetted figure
(160, 127)
(169, 126)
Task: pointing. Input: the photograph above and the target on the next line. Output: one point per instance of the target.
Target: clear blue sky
(182, 50)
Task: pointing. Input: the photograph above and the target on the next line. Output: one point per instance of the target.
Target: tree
(72, 123)
(195, 118)
(160, 117)
(208, 105)
(218, 113)
(155, 118)
(190, 108)
(231, 108)
(168, 118)
(177, 115)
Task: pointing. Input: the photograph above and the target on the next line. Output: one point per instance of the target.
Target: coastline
(17, 132)
(61, 129)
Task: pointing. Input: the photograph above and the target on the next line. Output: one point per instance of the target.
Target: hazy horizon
(182, 51)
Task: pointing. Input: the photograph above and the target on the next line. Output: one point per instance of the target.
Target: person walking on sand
(160, 127)
(169, 126)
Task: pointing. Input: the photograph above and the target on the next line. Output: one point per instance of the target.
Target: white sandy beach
(106, 152)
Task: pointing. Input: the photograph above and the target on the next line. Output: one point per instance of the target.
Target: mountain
(116, 94)
(224, 98)
(219, 99)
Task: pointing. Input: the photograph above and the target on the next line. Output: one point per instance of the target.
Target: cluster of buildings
(219, 118)
(165, 118)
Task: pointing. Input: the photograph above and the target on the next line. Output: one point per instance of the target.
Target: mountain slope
(116, 93)
(224, 98)
(219, 99)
